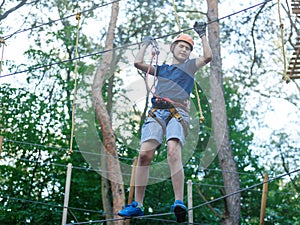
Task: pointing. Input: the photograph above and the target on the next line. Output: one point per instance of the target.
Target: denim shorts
(152, 130)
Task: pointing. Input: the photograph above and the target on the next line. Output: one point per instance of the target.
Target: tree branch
(208, 205)
(5, 14)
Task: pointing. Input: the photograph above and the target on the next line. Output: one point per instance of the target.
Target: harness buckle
(159, 103)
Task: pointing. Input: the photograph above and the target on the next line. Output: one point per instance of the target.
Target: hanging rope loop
(281, 26)
(78, 17)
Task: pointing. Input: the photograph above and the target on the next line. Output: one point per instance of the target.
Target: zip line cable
(128, 45)
(217, 20)
(69, 60)
(54, 21)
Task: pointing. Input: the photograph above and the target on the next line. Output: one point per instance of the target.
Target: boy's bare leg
(142, 170)
(175, 163)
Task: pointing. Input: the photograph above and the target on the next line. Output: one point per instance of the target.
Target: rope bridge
(294, 66)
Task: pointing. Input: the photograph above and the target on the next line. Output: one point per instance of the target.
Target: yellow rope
(176, 15)
(201, 117)
(285, 77)
(78, 15)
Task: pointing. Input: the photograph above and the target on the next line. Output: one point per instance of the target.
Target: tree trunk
(219, 122)
(113, 166)
(105, 184)
(106, 191)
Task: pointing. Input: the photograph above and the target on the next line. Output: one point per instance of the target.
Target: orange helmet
(184, 37)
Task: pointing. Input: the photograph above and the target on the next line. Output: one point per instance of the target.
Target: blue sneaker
(132, 210)
(179, 210)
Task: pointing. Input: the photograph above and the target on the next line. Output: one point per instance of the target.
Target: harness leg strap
(161, 123)
(175, 114)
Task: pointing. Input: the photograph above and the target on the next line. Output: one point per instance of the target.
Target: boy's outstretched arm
(200, 29)
(139, 59)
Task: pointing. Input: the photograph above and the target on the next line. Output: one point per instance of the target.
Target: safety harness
(166, 103)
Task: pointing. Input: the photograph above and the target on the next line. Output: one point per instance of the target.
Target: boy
(169, 116)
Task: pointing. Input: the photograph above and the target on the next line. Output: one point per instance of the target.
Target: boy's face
(181, 51)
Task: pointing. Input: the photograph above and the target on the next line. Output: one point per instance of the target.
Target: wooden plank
(294, 63)
(291, 71)
(296, 11)
(294, 73)
(294, 68)
(294, 77)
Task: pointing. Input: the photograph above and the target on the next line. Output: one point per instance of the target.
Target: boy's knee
(146, 152)
(145, 156)
(174, 150)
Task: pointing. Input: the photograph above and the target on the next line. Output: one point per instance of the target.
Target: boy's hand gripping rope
(155, 52)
